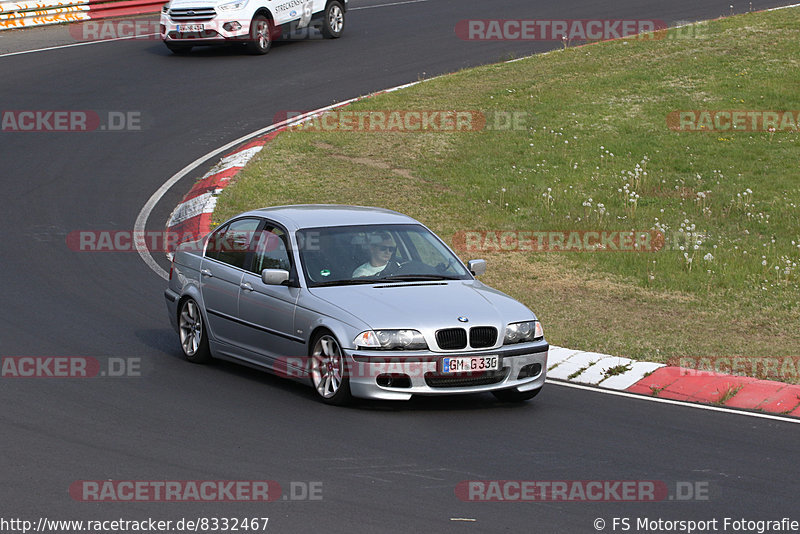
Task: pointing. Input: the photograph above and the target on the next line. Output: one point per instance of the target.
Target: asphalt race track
(383, 467)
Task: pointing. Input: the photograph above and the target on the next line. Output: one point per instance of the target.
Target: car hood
(194, 3)
(425, 304)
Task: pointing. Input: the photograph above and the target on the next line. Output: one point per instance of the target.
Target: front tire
(329, 370)
(512, 395)
(260, 35)
(333, 21)
(192, 333)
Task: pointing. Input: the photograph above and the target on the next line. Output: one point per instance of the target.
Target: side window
(232, 243)
(271, 252)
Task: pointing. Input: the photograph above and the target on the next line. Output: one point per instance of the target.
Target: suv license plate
(190, 28)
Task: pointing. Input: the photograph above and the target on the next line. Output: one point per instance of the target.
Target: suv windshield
(365, 254)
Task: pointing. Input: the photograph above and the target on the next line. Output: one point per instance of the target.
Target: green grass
(596, 129)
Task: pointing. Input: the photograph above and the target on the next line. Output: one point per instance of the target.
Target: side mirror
(476, 267)
(274, 277)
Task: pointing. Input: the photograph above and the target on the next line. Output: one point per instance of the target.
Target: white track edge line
(72, 45)
(388, 5)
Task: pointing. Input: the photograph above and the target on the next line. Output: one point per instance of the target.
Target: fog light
(530, 370)
(232, 26)
(394, 380)
(163, 29)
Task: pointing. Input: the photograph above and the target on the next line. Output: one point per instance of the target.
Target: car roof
(297, 217)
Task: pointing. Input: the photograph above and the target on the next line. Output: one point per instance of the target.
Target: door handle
(246, 286)
(206, 272)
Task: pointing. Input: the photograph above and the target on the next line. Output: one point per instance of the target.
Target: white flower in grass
(708, 257)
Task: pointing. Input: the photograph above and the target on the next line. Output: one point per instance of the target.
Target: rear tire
(179, 50)
(333, 21)
(192, 332)
(261, 33)
(512, 395)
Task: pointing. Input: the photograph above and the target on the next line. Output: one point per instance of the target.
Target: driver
(381, 250)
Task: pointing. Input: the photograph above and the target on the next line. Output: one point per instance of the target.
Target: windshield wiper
(352, 282)
(418, 277)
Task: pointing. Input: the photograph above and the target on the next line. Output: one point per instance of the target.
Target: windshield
(345, 255)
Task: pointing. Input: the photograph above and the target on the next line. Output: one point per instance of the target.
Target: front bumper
(214, 30)
(418, 373)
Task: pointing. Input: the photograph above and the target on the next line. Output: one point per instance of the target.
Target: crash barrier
(30, 14)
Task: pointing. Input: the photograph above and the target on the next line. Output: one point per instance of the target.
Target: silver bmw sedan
(354, 301)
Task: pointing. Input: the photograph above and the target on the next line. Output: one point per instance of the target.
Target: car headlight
(391, 340)
(165, 9)
(523, 332)
(232, 6)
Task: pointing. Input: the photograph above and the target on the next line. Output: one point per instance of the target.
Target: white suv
(252, 23)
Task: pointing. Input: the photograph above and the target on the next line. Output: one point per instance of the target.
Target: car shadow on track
(224, 50)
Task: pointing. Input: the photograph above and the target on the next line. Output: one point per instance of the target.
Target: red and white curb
(676, 383)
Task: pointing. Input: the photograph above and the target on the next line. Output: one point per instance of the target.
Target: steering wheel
(392, 267)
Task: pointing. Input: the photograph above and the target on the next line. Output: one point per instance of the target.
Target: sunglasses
(384, 248)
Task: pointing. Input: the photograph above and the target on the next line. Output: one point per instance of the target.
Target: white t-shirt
(367, 269)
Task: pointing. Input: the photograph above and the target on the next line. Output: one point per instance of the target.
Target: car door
(295, 11)
(221, 273)
(267, 311)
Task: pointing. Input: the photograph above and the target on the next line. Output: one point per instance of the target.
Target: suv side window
(271, 251)
(231, 243)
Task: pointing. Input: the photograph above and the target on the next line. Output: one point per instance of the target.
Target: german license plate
(470, 364)
(190, 28)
